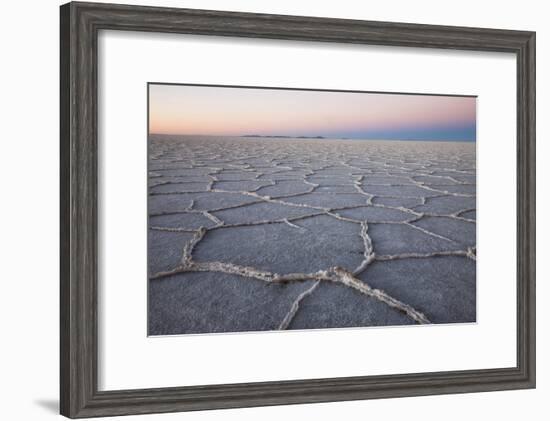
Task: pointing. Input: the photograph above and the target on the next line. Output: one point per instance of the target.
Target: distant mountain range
(283, 137)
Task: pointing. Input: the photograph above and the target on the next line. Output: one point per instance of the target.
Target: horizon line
(314, 137)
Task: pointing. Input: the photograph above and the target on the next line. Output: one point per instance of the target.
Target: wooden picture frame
(80, 23)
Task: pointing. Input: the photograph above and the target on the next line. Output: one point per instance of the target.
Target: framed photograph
(264, 209)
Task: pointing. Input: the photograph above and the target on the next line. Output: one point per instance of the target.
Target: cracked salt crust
(370, 173)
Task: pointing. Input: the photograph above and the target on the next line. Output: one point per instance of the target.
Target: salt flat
(249, 234)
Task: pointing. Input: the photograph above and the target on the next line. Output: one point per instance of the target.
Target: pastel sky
(206, 110)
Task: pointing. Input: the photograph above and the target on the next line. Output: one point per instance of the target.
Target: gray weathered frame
(80, 23)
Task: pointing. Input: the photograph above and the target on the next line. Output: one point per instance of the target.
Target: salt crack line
(445, 192)
(286, 221)
(187, 257)
(425, 231)
(172, 229)
(289, 317)
(213, 218)
(368, 252)
(334, 274)
(348, 279)
(461, 253)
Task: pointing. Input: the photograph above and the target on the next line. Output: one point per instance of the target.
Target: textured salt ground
(334, 305)
(260, 211)
(329, 201)
(446, 204)
(160, 180)
(319, 242)
(443, 288)
(461, 232)
(330, 180)
(469, 214)
(247, 185)
(199, 201)
(399, 191)
(340, 189)
(164, 250)
(401, 238)
(406, 202)
(207, 302)
(376, 214)
(237, 175)
(284, 188)
(179, 188)
(230, 215)
(188, 221)
(376, 180)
